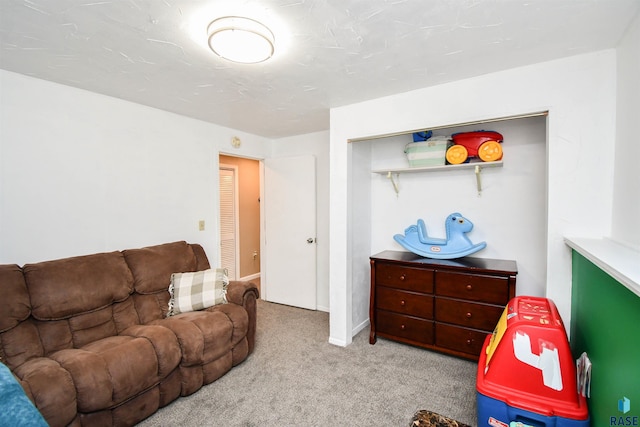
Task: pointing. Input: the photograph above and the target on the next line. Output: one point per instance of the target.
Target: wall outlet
(201, 225)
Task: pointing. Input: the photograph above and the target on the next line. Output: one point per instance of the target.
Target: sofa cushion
(21, 343)
(14, 304)
(197, 290)
(153, 266)
(203, 335)
(164, 342)
(110, 371)
(238, 316)
(63, 288)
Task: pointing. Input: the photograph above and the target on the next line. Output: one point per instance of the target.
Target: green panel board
(605, 322)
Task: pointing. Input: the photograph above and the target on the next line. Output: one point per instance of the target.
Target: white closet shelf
(470, 165)
(477, 165)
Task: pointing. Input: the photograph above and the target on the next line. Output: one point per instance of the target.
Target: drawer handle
(402, 303)
(469, 341)
(469, 287)
(468, 315)
(402, 277)
(402, 327)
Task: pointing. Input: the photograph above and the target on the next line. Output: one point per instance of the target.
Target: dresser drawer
(438, 304)
(403, 302)
(411, 328)
(489, 289)
(403, 277)
(460, 339)
(469, 314)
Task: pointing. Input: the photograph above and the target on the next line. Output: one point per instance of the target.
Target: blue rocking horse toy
(456, 245)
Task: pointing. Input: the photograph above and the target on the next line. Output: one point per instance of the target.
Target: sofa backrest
(70, 302)
(80, 299)
(152, 268)
(15, 305)
(19, 340)
(68, 287)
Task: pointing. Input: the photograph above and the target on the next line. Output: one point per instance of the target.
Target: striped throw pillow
(197, 290)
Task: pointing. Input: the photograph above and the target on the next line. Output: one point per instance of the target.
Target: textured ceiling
(329, 53)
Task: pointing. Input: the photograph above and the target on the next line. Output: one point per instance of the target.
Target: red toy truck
(482, 144)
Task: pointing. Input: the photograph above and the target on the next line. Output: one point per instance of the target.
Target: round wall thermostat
(235, 142)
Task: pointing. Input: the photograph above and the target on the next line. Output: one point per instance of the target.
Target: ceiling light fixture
(240, 39)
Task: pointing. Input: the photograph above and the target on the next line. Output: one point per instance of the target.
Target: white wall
(82, 173)
(626, 195)
(580, 95)
(316, 144)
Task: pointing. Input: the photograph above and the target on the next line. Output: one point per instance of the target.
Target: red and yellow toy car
(482, 144)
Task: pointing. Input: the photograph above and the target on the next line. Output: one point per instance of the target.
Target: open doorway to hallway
(240, 217)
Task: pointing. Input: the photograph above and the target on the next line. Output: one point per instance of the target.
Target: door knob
(311, 240)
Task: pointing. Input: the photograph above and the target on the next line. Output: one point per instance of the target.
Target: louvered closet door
(228, 221)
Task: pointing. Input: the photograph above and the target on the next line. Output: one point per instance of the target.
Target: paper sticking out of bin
(526, 372)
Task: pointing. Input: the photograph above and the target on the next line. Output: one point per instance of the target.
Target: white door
(229, 258)
(290, 231)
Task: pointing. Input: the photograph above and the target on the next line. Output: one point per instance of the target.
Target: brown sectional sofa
(89, 341)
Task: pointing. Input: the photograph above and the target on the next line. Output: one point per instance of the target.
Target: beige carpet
(296, 378)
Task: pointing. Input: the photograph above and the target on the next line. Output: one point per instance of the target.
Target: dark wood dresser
(444, 305)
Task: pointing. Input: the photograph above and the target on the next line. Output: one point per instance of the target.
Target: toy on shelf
(484, 145)
(430, 152)
(422, 136)
(456, 244)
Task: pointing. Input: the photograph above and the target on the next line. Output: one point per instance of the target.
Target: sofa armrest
(50, 387)
(14, 403)
(239, 291)
(245, 294)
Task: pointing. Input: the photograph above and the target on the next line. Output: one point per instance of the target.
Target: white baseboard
(357, 329)
(360, 327)
(339, 343)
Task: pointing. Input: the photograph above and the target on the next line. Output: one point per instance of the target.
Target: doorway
(288, 215)
(240, 217)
